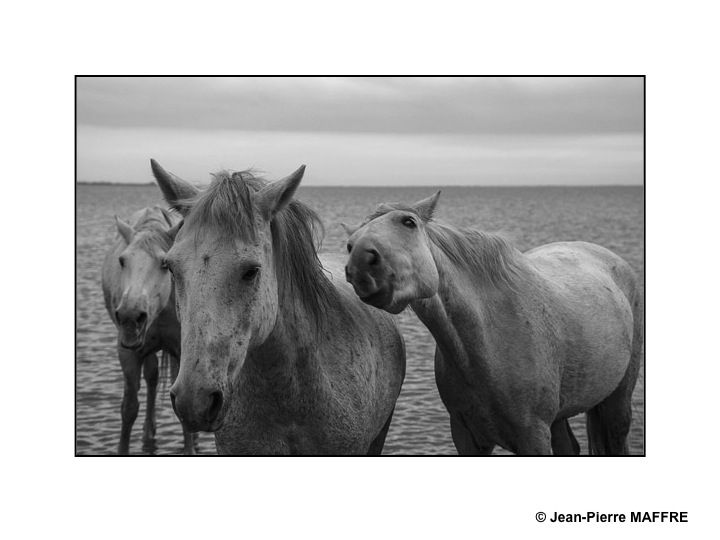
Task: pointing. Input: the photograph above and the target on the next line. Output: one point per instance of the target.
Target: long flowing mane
(488, 255)
(227, 206)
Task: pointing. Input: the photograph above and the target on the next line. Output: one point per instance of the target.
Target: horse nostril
(373, 257)
(141, 318)
(216, 401)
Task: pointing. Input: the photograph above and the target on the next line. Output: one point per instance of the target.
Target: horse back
(580, 263)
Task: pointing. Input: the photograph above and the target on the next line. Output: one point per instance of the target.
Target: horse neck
(169, 327)
(460, 315)
(291, 340)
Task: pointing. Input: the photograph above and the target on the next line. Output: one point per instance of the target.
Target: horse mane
(156, 222)
(489, 255)
(297, 231)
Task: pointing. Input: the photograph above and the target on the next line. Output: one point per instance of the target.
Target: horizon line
(141, 184)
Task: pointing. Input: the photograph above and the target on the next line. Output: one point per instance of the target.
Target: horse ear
(172, 232)
(274, 197)
(168, 218)
(177, 192)
(125, 230)
(348, 230)
(426, 207)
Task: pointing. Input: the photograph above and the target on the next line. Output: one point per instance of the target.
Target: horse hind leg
(608, 426)
(562, 439)
(608, 423)
(150, 372)
(379, 442)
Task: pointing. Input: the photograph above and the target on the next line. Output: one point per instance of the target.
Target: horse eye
(409, 222)
(251, 273)
(121, 260)
(164, 264)
(349, 248)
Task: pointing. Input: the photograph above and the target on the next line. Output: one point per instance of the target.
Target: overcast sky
(365, 131)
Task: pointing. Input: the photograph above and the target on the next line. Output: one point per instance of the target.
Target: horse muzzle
(200, 410)
(376, 296)
(132, 327)
(367, 273)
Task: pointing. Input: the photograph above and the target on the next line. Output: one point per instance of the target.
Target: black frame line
(644, 366)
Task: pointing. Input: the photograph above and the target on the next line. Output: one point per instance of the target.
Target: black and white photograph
(360, 265)
(388, 270)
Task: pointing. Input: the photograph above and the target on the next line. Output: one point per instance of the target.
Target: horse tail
(608, 423)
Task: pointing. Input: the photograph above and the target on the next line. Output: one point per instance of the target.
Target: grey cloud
(474, 106)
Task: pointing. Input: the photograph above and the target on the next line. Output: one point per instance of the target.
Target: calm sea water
(531, 216)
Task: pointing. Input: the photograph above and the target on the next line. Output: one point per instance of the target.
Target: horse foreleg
(130, 364)
(466, 443)
(190, 442)
(377, 445)
(150, 372)
(563, 441)
(536, 441)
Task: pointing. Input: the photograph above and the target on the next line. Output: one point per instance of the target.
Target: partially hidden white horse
(139, 298)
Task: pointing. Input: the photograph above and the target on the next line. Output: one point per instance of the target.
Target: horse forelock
(490, 255)
(226, 205)
(228, 208)
(151, 230)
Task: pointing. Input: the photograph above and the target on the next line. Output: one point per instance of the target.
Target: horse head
(226, 285)
(391, 262)
(145, 282)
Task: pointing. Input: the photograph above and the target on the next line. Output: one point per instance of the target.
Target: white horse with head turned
(524, 340)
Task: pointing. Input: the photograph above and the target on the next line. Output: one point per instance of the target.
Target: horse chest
(295, 422)
(250, 435)
(493, 404)
(463, 391)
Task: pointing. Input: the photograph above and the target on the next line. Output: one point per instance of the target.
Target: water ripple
(612, 217)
